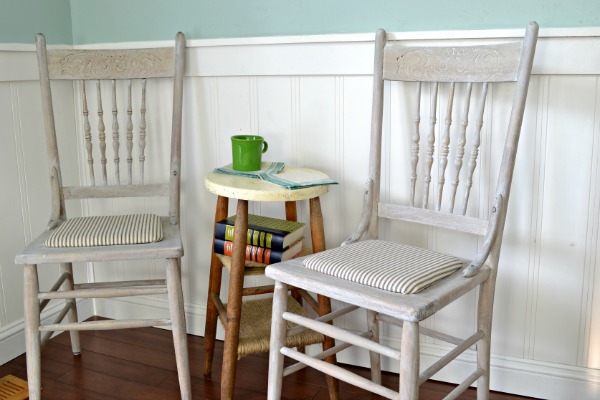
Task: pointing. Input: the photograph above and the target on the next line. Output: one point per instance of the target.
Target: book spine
(256, 237)
(253, 253)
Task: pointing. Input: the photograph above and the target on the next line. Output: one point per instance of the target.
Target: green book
(270, 233)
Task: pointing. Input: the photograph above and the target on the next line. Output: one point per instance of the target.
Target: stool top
(239, 187)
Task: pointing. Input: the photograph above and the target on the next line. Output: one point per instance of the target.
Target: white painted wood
(105, 325)
(434, 65)
(525, 336)
(100, 64)
(84, 192)
(170, 248)
(277, 341)
(563, 235)
(340, 373)
(239, 187)
(471, 64)
(345, 336)
(443, 220)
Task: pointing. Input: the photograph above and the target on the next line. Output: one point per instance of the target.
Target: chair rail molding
(546, 332)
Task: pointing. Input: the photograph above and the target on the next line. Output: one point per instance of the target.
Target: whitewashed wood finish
(169, 250)
(108, 64)
(460, 64)
(471, 64)
(258, 190)
(525, 340)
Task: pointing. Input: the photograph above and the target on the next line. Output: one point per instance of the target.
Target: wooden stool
(244, 190)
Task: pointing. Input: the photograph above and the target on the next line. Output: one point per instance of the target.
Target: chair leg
(409, 361)
(278, 334)
(32, 331)
(72, 314)
(375, 357)
(176, 308)
(484, 323)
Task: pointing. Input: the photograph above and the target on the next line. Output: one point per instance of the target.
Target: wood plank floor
(140, 364)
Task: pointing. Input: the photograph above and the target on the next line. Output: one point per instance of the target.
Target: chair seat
(385, 265)
(38, 253)
(408, 307)
(107, 231)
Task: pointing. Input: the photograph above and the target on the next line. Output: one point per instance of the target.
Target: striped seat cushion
(107, 231)
(385, 265)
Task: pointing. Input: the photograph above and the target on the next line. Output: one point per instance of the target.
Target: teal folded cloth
(275, 172)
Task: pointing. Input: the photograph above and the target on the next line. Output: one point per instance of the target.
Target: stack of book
(269, 240)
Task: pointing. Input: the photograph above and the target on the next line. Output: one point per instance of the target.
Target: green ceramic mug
(247, 152)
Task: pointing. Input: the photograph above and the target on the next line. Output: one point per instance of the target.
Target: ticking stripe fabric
(385, 265)
(107, 231)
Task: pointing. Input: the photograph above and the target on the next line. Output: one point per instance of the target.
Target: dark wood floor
(139, 364)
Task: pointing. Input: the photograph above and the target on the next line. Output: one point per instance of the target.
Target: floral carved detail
(91, 61)
(448, 64)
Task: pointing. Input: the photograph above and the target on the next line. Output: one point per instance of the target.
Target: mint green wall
(93, 21)
(133, 20)
(20, 20)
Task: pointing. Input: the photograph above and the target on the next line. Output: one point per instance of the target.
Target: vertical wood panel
(510, 315)
(199, 156)
(274, 123)
(12, 202)
(589, 338)
(316, 141)
(565, 219)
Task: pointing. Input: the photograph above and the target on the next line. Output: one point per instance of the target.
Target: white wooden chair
(399, 284)
(100, 239)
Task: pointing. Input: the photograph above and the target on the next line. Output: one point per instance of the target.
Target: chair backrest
(449, 84)
(113, 80)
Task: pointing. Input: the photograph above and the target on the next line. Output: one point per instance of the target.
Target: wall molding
(560, 51)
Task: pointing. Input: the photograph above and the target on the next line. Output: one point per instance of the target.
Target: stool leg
(317, 233)
(214, 286)
(32, 331)
(234, 301)
(278, 331)
(72, 314)
(177, 311)
(409, 361)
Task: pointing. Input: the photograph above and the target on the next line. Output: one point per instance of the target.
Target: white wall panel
(314, 106)
(13, 236)
(565, 218)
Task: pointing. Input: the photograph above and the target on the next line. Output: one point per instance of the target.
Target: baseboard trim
(12, 337)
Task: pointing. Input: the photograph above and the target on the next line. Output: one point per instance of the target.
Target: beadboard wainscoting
(310, 96)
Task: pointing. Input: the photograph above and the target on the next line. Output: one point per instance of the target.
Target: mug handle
(265, 147)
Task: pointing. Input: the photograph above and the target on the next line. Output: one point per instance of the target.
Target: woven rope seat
(107, 231)
(255, 327)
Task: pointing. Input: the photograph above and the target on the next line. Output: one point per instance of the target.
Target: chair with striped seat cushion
(419, 185)
(385, 265)
(121, 153)
(107, 231)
